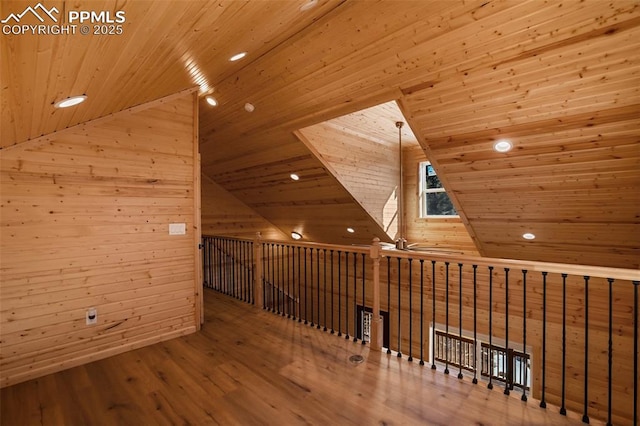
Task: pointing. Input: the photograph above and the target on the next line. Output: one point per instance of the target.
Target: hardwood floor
(248, 366)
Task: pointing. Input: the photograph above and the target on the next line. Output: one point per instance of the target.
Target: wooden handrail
(560, 268)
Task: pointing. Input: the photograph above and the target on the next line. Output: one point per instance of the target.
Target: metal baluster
(305, 287)
(280, 259)
(585, 415)
(332, 297)
(234, 268)
(236, 271)
(211, 261)
(346, 288)
(421, 311)
(355, 297)
(299, 286)
(490, 384)
(389, 298)
(610, 351)
(524, 332)
(221, 267)
(363, 294)
(563, 410)
(247, 268)
(278, 277)
(460, 316)
(223, 281)
(433, 312)
(543, 403)
(475, 327)
(243, 279)
(288, 299)
(227, 268)
(399, 309)
(311, 284)
(273, 279)
(410, 312)
(446, 303)
(293, 283)
(247, 283)
(318, 282)
(324, 279)
(635, 351)
(509, 381)
(339, 293)
(265, 274)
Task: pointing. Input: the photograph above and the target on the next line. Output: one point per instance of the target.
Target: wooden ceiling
(560, 78)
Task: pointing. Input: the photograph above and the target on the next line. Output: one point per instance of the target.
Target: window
(434, 201)
(460, 350)
(508, 366)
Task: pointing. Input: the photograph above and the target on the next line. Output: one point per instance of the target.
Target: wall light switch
(177, 228)
(92, 316)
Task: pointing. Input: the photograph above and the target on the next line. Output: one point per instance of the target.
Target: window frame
(510, 360)
(423, 191)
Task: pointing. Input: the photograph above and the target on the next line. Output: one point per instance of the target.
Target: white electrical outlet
(92, 316)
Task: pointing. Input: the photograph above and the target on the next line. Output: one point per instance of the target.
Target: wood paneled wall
(225, 215)
(367, 168)
(85, 217)
(446, 233)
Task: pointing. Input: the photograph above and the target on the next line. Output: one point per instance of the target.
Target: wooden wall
(367, 168)
(225, 215)
(445, 233)
(85, 215)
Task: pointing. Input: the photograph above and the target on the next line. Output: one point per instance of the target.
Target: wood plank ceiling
(560, 78)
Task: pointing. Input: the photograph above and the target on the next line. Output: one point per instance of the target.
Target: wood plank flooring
(247, 367)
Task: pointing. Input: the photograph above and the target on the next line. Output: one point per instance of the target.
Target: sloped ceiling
(559, 78)
(362, 150)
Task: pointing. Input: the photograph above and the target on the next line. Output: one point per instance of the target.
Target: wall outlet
(92, 316)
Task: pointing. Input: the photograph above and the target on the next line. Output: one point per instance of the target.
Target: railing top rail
(559, 268)
(365, 249)
(228, 238)
(531, 266)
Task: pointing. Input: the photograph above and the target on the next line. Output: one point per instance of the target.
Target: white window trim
(422, 194)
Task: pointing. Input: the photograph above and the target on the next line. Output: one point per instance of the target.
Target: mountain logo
(34, 11)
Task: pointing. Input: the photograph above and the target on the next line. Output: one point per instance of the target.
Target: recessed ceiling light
(503, 145)
(211, 100)
(351, 230)
(296, 235)
(308, 5)
(528, 236)
(294, 176)
(71, 101)
(238, 56)
(249, 107)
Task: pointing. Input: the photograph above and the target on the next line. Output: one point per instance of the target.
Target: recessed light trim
(351, 230)
(308, 5)
(211, 100)
(249, 107)
(70, 101)
(528, 236)
(238, 56)
(294, 176)
(296, 235)
(503, 145)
